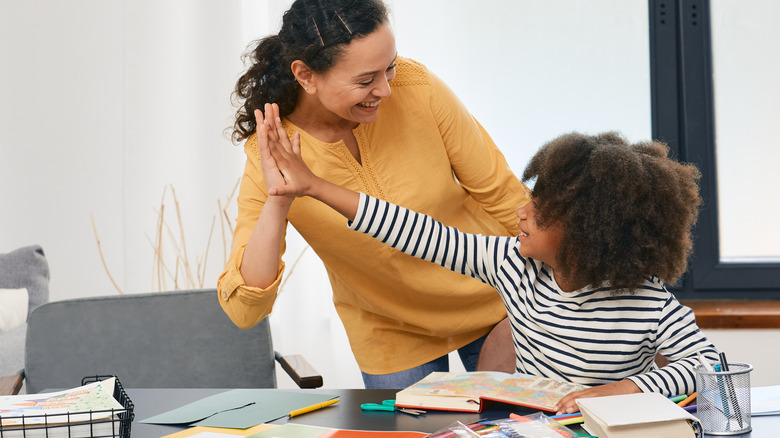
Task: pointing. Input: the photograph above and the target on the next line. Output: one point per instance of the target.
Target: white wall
(752, 346)
(61, 122)
(105, 103)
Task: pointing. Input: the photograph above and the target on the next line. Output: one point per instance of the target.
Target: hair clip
(318, 31)
(342, 22)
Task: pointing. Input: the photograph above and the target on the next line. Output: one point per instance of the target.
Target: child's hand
(273, 177)
(567, 404)
(285, 171)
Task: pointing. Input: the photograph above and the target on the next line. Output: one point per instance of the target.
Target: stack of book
(643, 415)
(86, 411)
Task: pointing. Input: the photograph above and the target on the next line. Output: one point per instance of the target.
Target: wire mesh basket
(101, 423)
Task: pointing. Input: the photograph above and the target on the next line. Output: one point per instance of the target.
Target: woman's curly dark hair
(314, 31)
(626, 210)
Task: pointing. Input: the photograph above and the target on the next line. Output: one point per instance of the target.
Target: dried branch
(159, 263)
(186, 260)
(103, 259)
(224, 239)
(177, 250)
(155, 248)
(206, 253)
(227, 219)
(160, 270)
(159, 248)
(176, 275)
(227, 203)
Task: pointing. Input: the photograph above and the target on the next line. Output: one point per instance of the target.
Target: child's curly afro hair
(626, 210)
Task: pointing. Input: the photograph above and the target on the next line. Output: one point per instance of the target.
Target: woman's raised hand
(282, 158)
(286, 173)
(273, 177)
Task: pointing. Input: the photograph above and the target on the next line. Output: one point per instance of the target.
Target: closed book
(468, 391)
(641, 415)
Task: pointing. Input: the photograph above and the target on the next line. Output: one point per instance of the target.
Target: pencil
(689, 399)
(311, 408)
(571, 420)
(565, 416)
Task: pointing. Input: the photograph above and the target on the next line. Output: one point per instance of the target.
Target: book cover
(637, 416)
(467, 391)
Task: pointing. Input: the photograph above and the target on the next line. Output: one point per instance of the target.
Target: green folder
(239, 408)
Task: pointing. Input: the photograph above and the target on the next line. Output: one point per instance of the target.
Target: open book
(643, 415)
(467, 391)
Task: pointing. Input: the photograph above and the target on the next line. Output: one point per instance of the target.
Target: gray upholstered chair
(177, 339)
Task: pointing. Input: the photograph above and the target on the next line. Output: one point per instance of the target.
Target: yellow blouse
(424, 152)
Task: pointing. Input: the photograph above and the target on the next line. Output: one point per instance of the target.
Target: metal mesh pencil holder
(723, 399)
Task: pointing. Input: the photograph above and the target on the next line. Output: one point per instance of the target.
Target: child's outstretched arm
(298, 180)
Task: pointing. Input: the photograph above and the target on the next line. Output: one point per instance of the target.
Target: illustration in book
(464, 391)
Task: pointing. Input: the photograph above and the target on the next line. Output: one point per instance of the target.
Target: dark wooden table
(346, 414)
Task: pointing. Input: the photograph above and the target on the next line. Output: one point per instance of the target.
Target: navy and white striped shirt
(587, 336)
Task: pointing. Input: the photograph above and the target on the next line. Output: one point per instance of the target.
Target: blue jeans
(468, 355)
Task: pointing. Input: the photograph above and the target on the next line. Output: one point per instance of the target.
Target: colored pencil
(689, 399)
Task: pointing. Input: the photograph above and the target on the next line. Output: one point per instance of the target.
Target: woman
(381, 124)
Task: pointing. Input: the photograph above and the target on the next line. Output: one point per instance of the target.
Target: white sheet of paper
(765, 400)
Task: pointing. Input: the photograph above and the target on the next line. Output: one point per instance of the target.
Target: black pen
(724, 366)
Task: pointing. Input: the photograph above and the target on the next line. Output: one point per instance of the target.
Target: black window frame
(683, 116)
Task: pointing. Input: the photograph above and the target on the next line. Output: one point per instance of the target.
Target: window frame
(683, 116)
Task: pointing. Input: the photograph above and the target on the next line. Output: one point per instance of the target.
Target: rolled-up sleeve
(247, 305)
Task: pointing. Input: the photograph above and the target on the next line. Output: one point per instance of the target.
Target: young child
(609, 223)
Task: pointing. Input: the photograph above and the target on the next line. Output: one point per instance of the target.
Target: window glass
(746, 66)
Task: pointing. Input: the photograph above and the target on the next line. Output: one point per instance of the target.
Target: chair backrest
(498, 350)
(177, 339)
